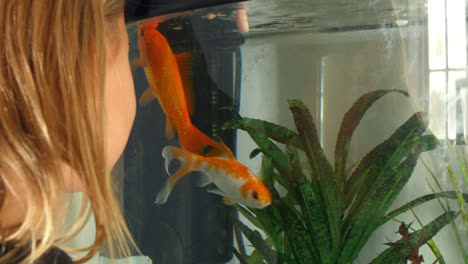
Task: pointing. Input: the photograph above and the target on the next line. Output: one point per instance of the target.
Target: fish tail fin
(170, 153)
(163, 194)
(197, 142)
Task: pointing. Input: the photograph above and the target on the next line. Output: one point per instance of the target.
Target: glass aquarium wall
(350, 116)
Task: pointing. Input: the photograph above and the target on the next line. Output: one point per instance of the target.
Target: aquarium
(331, 131)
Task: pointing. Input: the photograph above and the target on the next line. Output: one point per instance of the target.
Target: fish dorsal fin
(222, 151)
(184, 62)
(170, 129)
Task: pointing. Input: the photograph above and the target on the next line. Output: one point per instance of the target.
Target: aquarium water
(384, 82)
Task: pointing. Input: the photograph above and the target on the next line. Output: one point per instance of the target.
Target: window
(447, 68)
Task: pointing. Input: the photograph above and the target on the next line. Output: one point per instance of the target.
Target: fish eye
(255, 195)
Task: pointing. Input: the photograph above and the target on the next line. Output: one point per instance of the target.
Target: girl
(66, 108)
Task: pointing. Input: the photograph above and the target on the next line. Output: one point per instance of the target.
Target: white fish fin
(164, 193)
(217, 191)
(228, 201)
(204, 181)
(169, 153)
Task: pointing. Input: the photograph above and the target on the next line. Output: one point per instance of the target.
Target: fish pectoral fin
(184, 62)
(147, 96)
(204, 181)
(217, 191)
(170, 129)
(228, 201)
(138, 63)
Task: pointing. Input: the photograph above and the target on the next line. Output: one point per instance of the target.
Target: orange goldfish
(234, 181)
(164, 72)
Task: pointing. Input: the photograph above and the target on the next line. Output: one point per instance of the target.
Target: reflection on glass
(437, 109)
(454, 98)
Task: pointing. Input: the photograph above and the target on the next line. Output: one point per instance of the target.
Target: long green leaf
(255, 258)
(321, 169)
(291, 219)
(279, 159)
(396, 255)
(298, 236)
(387, 187)
(308, 135)
(296, 175)
(430, 243)
(351, 120)
(455, 183)
(312, 207)
(270, 224)
(239, 256)
(419, 201)
(249, 216)
(385, 156)
(461, 163)
(269, 218)
(292, 225)
(317, 220)
(258, 242)
(269, 148)
(446, 208)
(276, 132)
(268, 172)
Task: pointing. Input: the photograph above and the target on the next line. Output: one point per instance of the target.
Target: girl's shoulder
(52, 256)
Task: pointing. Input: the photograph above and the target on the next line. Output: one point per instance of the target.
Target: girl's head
(66, 108)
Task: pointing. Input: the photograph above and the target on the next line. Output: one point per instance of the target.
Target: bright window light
(437, 43)
(456, 33)
(447, 67)
(437, 107)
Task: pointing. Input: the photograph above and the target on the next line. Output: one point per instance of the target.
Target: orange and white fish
(234, 181)
(169, 80)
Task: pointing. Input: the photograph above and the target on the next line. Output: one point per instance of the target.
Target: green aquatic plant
(459, 165)
(329, 211)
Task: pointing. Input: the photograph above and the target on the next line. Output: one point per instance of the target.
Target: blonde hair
(52, 66)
